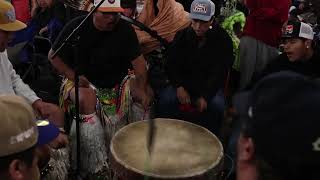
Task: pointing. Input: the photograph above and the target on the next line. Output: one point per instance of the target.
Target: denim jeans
(167, 106)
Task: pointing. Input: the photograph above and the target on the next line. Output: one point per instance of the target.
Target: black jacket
(201, 71)
(310, 67)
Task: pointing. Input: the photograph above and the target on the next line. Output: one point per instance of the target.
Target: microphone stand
(143, 27)
(73, 39)
(163, 43)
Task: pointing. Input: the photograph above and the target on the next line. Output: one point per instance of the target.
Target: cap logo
(111, 1)
(289, 29)
(200, 8)
(42, 123)
(10, 15)
(316, 145)
(22, 136)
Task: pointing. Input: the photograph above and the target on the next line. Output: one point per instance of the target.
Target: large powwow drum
(181, 150)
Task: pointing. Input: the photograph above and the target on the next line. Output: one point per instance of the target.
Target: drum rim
(121, 162)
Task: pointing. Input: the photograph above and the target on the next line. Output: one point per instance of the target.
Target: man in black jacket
(198, 62)
(300, 54)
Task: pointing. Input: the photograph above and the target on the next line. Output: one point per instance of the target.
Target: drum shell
(125, 172)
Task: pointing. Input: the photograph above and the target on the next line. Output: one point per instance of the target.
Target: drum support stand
(73, 39)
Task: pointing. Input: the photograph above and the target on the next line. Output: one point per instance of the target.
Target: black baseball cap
(296, 29)
(281, 115)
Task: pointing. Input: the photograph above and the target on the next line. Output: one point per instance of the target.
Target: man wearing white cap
(107, 48)
(300, 53)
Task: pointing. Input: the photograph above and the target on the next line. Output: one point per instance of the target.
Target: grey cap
(202, 10)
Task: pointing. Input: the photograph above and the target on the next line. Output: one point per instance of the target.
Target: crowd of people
(246, 70)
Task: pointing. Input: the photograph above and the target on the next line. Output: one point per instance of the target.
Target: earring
(307, 47)
(210, 27)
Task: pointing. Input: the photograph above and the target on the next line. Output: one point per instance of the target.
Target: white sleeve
(19, 87)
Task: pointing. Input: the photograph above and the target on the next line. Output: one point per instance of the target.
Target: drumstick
(151, 132)
(151, 135)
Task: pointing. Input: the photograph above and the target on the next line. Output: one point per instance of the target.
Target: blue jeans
(167, 106)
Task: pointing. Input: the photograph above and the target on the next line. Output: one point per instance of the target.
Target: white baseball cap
(109, 6)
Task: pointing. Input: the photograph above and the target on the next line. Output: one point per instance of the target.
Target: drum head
(180, 149)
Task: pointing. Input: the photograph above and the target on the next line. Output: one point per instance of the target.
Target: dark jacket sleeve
(222, 60)
(175, 56)
(273, 66)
